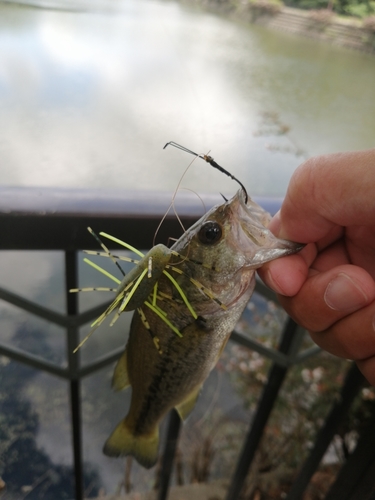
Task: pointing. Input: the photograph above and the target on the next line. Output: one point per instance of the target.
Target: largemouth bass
(214, 264)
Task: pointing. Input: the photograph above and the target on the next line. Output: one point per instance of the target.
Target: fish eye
(210, 233)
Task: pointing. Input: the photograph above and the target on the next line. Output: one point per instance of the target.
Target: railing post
(288, 343)
(174, 425)
(71, 281)
(353, 382)
(355, 479)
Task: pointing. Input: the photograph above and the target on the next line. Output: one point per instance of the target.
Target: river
(89, 98)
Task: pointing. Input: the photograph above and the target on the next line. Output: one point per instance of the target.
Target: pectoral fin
(187, 405)
(120, 379)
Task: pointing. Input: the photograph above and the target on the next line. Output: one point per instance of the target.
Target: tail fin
(144, 448)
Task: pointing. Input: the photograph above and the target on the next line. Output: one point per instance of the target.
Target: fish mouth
(265, 246)
(261, 244)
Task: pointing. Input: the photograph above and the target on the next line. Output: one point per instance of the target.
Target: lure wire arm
(211, 161)
(106, 250)
(178, 146)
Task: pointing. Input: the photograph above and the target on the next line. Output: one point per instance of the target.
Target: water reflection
(34, 407)
(90, 98)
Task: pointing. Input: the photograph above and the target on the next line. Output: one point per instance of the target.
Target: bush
(360, 9)
(307, 4)
(357, 8)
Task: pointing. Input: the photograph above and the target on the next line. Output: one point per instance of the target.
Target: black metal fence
(56, 219)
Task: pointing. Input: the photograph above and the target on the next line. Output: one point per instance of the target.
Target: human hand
(329, 287)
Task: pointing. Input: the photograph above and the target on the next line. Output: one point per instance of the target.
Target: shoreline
(336, 30)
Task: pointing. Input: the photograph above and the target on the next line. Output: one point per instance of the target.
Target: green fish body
(216, 258)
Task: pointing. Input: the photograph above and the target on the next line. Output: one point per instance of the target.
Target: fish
(173, 347)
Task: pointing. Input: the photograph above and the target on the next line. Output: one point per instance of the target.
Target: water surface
(88, 98)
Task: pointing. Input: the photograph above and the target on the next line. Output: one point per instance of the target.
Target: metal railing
(56, 219)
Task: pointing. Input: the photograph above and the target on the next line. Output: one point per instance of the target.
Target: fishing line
(172, 204)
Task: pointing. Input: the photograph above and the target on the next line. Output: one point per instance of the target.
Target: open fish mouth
(253, 238)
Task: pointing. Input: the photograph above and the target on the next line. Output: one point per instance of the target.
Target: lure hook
(209, 160)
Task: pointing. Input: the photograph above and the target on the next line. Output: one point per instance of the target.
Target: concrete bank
(346, 32)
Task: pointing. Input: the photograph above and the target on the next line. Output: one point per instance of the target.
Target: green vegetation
(355, 8)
